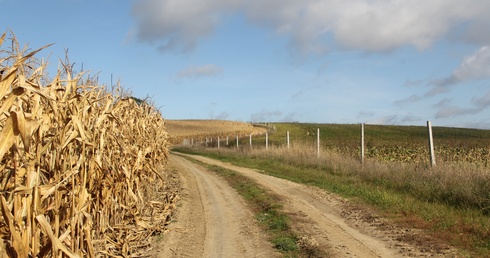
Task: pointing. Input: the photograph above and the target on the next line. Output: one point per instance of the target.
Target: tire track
(213, 220)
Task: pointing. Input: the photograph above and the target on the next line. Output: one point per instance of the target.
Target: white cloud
(313, 25)
(453, 111)
(385, 120)
(482, 102)
(473, 67)
(410, 99)
(177, 24)
(364, 114)
(193, 72)
(448, 109)
(410, 118)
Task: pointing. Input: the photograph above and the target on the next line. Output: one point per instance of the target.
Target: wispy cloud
(365, 114)
(482, 102)
(447, 109)
(410, 99)
(413, 83)
(473, 67)
(277, 115)
(265, 115)
(411, 119)
(193, 72)
(385, 120)
(304, 91)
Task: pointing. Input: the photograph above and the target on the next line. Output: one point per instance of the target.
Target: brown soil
(213, 221)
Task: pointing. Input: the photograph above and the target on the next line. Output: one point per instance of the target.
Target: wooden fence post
(431, 145)
(287, 137)
(362, 143)
(218, 142)
(250, 140)
(318, 142)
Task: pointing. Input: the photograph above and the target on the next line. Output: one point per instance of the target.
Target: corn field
(79, 165)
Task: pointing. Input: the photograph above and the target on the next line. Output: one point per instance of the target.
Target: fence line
(209, 141)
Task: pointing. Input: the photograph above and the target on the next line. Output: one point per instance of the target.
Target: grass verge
(463, 226)
(268, 212)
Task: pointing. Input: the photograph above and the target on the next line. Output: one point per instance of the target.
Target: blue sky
(328, 61)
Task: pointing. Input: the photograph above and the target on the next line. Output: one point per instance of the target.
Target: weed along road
(213, 220)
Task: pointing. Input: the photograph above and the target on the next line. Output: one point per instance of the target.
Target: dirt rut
(212, 221)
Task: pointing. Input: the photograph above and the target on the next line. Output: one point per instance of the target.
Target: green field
(385, 142)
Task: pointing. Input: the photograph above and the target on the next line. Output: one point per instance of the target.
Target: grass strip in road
(267, 208)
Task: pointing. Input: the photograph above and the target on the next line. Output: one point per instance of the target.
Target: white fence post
(318, 142)
(237, 141)
(250, 140)
(218, 142)
(362, 143)
(431, 145)
(287, 137)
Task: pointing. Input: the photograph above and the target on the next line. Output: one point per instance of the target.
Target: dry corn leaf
(7, 104)
(6, 83)
(17, 243)
(46, 227)
(7, 136)
(29, 87)
(25, 127)
(79, 127)
(2, 38)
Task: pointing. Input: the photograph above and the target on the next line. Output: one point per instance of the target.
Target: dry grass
(463, 185)
(77, 163)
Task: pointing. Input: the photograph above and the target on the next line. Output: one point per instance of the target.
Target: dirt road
(213, 221)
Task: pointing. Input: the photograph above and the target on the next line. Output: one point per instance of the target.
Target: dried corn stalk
(78, 164)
